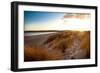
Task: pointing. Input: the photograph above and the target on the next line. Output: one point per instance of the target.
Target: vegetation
(59, 46)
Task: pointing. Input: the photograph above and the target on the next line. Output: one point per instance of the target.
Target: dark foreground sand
(57, 46)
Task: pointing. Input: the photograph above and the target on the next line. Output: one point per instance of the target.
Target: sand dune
(57, 46)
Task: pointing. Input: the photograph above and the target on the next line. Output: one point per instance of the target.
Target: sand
(63, 45)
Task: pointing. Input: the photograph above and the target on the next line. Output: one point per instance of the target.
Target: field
(61, 45)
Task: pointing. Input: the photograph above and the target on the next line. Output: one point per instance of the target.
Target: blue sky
(36, 20)
(33, 17)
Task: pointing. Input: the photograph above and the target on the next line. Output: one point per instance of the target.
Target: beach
(61, 45)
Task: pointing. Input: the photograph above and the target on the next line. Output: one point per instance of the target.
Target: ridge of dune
(57, 46)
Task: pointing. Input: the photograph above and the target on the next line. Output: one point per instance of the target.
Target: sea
(36, 33)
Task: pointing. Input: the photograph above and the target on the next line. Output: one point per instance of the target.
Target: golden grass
(63, 45)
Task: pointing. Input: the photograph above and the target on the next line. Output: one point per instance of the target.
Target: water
(36, 33)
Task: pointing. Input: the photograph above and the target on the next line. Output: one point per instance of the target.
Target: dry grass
(39, 53)
(63, 45)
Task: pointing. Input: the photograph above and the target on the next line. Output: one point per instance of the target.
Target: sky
(35, 20)
(40, 17)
